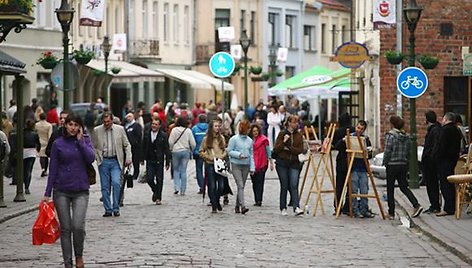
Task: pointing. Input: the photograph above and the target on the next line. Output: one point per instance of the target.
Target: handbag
(220, 165)
(92, 174)
(303, 157)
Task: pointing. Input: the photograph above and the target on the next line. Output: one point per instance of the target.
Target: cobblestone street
(183, 233)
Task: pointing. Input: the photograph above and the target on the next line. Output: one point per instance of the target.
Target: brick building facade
(444, 30)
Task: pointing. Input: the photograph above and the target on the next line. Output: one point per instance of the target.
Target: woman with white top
(181, 143)
(273, 120)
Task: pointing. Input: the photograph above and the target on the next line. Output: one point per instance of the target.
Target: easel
(351, 156)
(310, 162)
(317, 186)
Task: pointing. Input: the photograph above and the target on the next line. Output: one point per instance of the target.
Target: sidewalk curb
(433, 237)
(19, 213)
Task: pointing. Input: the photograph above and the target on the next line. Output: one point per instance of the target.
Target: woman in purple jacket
(68, 180)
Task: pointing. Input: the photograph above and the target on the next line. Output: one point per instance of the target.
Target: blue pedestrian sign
(222, 64)
(412, 82)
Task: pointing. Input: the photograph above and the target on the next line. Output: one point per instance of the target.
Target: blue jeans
(288, 178)
(110, 171)
(199, 170)
(155, 177)
(28, 164)
(360, 184)
(216, 184)
(71, 225)
(179, 163)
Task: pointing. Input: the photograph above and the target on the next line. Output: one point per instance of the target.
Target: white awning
(129, 73)
(195, 79)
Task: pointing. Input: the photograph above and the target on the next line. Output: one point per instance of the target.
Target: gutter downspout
(399, 36)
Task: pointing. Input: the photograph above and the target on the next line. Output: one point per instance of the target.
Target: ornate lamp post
(272, 64)
(412, 15)
(245, 42)
(65, 15)
(106, 47)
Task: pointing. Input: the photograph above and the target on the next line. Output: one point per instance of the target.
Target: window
(222, 17)
(166, 22)
(145, 19)
(81, 28)
(175, 23)
(105, 20)
(54, 21)
(131, 21)
(309, 37)
(243, 20)
(455, 96)
(155, 20)
(41, 16)
(273, 18)
(323, 38)
(117, 21)
(289, 31)
(253, 28)
(186, 25)
(343, 34)
(289, 71)
(334, 41)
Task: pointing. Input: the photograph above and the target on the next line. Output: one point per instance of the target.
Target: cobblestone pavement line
(183, 233)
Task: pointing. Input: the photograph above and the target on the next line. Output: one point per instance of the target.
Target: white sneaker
(298, 211)
(284, 212)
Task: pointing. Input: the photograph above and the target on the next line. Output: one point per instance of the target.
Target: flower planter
(255, 70)
(265, 76)
(82, 60)
(428, 62)
(97, 72)
(48, 63)
(279, 73)
(394, 57)
(115, 70)
(17, 6)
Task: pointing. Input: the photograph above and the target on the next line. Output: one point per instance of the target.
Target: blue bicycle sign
(412, 82)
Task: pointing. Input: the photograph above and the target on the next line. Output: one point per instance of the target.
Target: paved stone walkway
(183, 233)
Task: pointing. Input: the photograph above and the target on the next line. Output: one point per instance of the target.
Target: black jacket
(135, 136)
(158, 150)
(430, 141)
(55, 134)
(449, 143)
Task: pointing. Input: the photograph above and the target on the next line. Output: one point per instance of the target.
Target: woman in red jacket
(262, 159)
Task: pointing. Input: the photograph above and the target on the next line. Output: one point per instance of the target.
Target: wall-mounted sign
(467, 68)
(351, 55)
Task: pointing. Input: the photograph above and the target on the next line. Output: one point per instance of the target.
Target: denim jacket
(241, 144)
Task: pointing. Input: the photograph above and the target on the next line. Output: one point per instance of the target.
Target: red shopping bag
(46, 227)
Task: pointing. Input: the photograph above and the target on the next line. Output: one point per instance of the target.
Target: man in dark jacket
(156, 151)
(428, 161)
(448, 153)
(134, 131)
(341, 158)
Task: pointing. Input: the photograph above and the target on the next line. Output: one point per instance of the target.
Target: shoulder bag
(92, 174)
(220, 165)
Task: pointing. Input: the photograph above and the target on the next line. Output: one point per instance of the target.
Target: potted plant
(428, 61)
(83, 56)
(47, 60)
(237, 67)
(21, 6)
(265, 76)
(394, 57)
(116, 70)
(255, 70)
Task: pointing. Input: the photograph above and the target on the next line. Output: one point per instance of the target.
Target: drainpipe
(399, 5)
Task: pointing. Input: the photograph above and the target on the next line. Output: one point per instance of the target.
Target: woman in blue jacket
(241, 156)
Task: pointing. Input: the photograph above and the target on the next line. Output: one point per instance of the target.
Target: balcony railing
(144, 48)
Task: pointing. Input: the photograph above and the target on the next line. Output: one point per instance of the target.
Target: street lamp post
(412, 15)
(65, 15)
(106, 47)
(245, 42)
(272, 66)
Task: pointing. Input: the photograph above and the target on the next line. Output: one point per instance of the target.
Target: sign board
(351, 55)
(236, 51)
(412, 82)
(282, 54)
(226, 34)
(57, 76)
(467, 68)
(221, 64)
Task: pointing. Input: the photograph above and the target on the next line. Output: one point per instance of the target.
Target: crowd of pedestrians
(249, 141)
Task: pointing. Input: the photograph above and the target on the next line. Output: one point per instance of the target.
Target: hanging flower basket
(115, 70)
(279, 73)
(21, 6)
(394, 57)
(237, 67)
(48, 63)
(255, 70)
(428, 62)
(265, 76)
(97, 72)
(83, 56)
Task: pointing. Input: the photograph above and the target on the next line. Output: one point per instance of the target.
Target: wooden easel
(310, 162)
(351, 156)
(327, 168)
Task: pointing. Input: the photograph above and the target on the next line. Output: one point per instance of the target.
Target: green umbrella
(315, 82)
